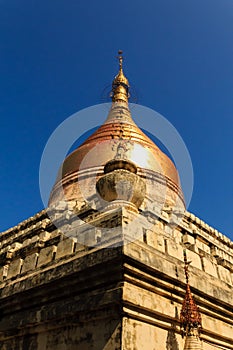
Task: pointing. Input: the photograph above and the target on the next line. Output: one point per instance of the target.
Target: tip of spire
(120, 58)
(120, 84)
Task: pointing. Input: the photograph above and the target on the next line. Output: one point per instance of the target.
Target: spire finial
(120, 58)
(120, 84)
(190, 317)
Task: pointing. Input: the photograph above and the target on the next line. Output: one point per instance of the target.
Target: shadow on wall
(171, 342)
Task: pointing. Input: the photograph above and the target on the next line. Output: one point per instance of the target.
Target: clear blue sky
(56, 57)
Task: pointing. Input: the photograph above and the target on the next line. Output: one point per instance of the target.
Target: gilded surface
(118, 138)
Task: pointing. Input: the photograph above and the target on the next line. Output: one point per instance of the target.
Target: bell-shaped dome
(119, 138)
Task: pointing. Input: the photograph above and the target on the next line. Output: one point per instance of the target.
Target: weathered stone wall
(36, 242)
(154, 296)
(65, 306)
(92, 335)
(58, 293)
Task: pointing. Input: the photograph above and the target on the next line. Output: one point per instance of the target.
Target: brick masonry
(112, 292)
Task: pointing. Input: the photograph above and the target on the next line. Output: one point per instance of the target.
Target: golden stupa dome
(119, 138)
